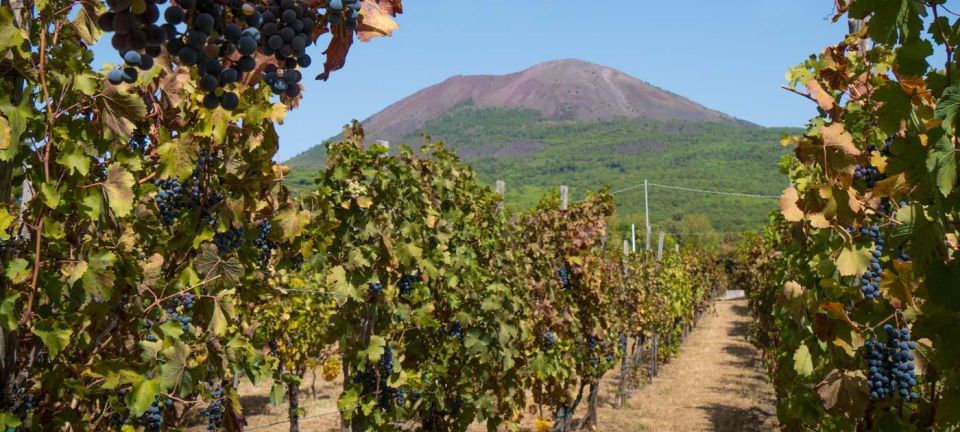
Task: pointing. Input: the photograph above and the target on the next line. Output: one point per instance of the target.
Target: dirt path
(715, 384)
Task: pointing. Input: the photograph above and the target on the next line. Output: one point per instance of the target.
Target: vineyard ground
(715, 384)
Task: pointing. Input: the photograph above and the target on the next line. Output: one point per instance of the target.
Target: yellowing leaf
(823, 98)
(836, 136)
(374, 22)
(56, 336)
(802, 361)
(72, 272)
(6, 133)
(792, 290)
(119, 188)
(788, 205)
(853, 260)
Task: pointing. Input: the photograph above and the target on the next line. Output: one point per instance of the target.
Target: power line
(705, 191)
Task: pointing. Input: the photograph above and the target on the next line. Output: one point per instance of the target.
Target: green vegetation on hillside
(534, 155)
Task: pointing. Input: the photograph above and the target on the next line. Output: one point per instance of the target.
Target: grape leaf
(9, 421)
(342, 288)
(215, 269)
(6, 134)
(947, 108)
(55, 336)
(375, 348)
(74, 160)
(120, 111)
(99, 278)
(844, 390)
(72, 272)
(788, 205)
(174, 368)
(853, 259)
(836, 135)
(942, 159)
(119, 189)
(802, 362)
(18, 270)
(824, 99)
(336, 52)
(143, 395)
(374, 22)
(8, 311)
(293, 223)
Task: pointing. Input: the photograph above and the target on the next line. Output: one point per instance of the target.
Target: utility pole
(564, 197)
(646, 211)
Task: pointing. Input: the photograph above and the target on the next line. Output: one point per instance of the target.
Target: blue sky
(730, 55)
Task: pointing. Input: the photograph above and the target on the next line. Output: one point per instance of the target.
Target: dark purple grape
(120, 42)
(211, 101)
(124, 23)
(146, 62)
(150, 15)
(229, 76)
(115, 77)
(287, 34)
(208, 83)
(275, 42)
(246, 64)
(129, 75)
(138, 40)
(232, 32)
(118, 5)
(105, 21)
(304, 61)
(204, 22)
(246, 46)
(187, 55)
(173, 15)
(131, 58)
(229, 101)
(292, 90)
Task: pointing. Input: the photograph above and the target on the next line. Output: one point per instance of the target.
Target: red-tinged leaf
(392, 7)
(336, 52)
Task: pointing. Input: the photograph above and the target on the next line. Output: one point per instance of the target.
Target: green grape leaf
(912, 57)
(10, 34)
(100, 276)
(348, 402)
(177, 157)
(947, 108)
(6, 134)
(218, 319)
(92, 203)
(342, 288)
(51, 195)
(72, 272)
(17, 118)
(6, 220)
(802, 361)
(143, 395)
(375, 349)
(86, 22)
(18, 270)
(87, 83)
(120, 111)
(9, 421)
(216, 270)
(74, 160)
(174, 369)
(853, 259)
(8, 311)
(56, 336)
(119, 188)
(942, 160)
(171, 329)
(277, 393)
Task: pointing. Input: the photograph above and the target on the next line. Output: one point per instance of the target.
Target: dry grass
(716, 384)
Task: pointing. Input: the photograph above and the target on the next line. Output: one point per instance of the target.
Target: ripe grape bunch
(214, 411)
(870, 174)
(375, 288)
(264, 245)
(286, 33)
(549, 339)
(152, 419)
(407, 281)
(456, 331)
(870, 282)
(890, 368)
(136, 35)
(564, 277)
(174, 198)
(178, 314)
(229, 240)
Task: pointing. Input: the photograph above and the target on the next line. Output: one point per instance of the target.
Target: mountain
(583, 125)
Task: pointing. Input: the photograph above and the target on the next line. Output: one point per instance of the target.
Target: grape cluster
(456, 331)
(902, 255)
(375, 381)
(564, 277)
(890, 365)
(229, 240)
(220, 39)
(152, 419)
(296, 263)
(870, 282)
(286, 34)
(174, 199)
(345, 11)
(549, 339)
(375, 288)
(870, 174)
(264, 245)
(214, 411)
(173, 315)
(136, 36)
(138, 142)
(407, 281)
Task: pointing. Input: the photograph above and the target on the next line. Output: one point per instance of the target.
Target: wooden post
(502, 190)
(660, 247)
(564, 197)
(633, 237)
(646, 212)
(656, 353)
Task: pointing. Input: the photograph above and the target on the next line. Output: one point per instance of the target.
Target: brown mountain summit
(562, 90)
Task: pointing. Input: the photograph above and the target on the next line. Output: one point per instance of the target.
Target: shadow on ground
(726, 418)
